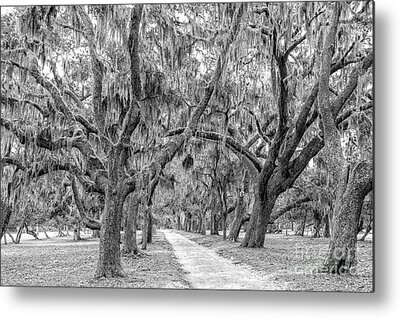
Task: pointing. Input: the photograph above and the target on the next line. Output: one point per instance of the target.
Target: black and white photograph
(190, 146)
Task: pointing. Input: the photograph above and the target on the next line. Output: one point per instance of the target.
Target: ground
(286, 263)
(60, 261)
(292, 261)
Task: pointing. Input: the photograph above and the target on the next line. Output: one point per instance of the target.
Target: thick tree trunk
(109, 264)
(341, 255)
(264, 202)
(129, 244)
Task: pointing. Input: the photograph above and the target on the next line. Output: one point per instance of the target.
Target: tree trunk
(150, 227)
(60, 232)
(327, 230)
(20, 230)
(346, 215)
(77, 231)
(303, 225)
(193, 225)
(317, 223)
(129, 244)
(188, 222)
(264, 201)
(6, 212)
(237, 221)
(214, 220)
(224, 216)
(203, 224)
(9, 234)
(19, 233)
(96, 233)
(44, 231)
(178, 222)
(145, 228)
(109, 264)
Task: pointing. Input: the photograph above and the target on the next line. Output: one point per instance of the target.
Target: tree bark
(203, 224)
(145, 228)
(77, 232)
(109, 263)
(341, 255)
(6, 212)
(327, 229)
(264, 202)
(214, 221)
(150, 227)
(317, 222)
(129, 244)
(96, 233)
(237, 222)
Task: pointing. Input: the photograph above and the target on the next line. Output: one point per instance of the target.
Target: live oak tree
(284, 46)
(351, 183)
(83, 76)
(111, 94)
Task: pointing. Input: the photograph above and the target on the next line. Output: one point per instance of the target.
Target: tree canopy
(106, 99)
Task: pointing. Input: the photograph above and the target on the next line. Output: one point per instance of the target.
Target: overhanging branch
(278, 213)
(232, 144)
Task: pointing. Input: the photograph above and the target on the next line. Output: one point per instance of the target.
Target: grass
(293, 260)
(61, 262)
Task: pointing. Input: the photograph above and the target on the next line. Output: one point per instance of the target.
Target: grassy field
(59, 261)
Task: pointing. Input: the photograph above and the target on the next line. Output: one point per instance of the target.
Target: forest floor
(62, 262)
(286, 263)
(291, 262)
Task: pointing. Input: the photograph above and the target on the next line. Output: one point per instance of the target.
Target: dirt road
(207, 270)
